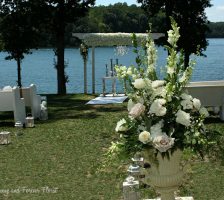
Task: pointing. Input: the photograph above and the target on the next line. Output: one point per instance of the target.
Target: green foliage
(114, 18)
(216, 30)
(18, 31)
(55, 17)
(190, 16)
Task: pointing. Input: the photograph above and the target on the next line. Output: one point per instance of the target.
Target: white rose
(139, 83)
(196, 103)
(204, 111)
(157, 107)
(183, 118)
(137, 110)
(157, 83)
(163, 142)
(121, 126)
(187, 104)
(144, 137)
(186, 96)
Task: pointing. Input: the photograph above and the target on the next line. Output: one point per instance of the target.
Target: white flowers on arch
(112, 39)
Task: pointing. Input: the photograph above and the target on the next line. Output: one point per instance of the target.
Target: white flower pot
(166, 175)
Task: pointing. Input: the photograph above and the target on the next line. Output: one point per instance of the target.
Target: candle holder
(19, 128)
(134, 170)
(138, 160)
(107, 71)
(111, 66)
(131, 189)
(5, 137)
(29, 121)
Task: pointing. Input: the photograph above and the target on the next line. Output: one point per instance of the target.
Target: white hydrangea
(183, 118)
(139, 83)
(144, 137)
(157, 107)
(121, 126)
(187, 104)
(157, 83)
(160, 91)
(186, 96)
(196, 103)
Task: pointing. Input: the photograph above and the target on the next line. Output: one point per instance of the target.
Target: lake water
(38, 67)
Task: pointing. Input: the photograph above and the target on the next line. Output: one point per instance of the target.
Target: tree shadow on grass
(213, 120)
(74, 107)
(71, 106)
(6, 119)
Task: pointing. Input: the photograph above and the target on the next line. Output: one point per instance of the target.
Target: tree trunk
(60, 36)
(19, 83)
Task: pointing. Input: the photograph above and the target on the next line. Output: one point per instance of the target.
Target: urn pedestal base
(166, 175)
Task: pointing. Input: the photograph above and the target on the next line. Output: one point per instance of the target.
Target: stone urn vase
(165, 174)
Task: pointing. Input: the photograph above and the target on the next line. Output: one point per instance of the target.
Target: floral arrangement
(162, 116)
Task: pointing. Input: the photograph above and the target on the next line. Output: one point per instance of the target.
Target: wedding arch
(109, 39)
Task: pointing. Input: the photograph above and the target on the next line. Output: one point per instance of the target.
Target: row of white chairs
(16, 100)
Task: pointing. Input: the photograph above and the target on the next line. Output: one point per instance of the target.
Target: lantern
(130, 189)
(19, 128)
(29, 121)
(5, 137)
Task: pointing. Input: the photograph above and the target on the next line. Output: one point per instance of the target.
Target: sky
(214, 14)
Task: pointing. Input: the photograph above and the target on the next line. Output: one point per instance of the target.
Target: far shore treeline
(121, 18)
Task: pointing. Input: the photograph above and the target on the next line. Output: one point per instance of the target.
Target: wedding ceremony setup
(111, 102)
(165, 117)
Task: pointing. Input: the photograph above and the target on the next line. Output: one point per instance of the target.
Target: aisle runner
(108, 99)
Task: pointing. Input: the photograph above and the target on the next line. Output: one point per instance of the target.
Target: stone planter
(165, 175)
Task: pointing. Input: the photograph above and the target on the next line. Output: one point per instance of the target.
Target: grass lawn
(61, 158)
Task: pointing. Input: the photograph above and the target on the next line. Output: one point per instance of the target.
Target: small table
(113, 78)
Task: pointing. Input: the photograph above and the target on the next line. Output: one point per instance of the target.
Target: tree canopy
(55, 16)
(18, 33)
(190, 16)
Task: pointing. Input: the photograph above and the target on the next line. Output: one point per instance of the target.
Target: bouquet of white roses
(161, 115)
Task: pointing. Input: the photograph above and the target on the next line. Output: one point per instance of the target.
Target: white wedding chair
(32, 100)
(10, 101)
